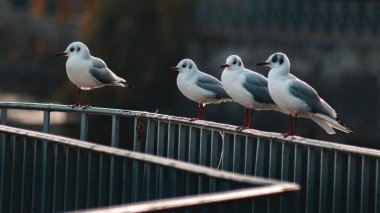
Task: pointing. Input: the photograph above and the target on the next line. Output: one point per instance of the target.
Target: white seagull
(88, 72)
(298, 98)
(247, 88)
(199, 86)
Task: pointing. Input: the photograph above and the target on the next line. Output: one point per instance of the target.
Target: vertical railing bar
(181, 143)
(44, 163)
(89, 178)
(115, 131)
(171, 140)
(259, 158)
(336, 182)
(84, 126)
(350, 182)
(214, 150)
(100, 182)
(111, 181)
(3, 116)
(55, 177)
(46, 121)
(236, 155)
(364, 185)
(79, 178)
(322, 182)
(34, 178)
(13, 178)
(136, 142)
(24, 176)
(377, 188)
(149, 144)
(310, 180)
(67, 181)
(4, 165)
(284, 161)
(160, 139)
(192, 144)
(203, 147)
(248, 152)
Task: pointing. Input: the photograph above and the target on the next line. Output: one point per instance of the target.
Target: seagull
(88, 72)
(297, 98)
(247, 88)
(199, 86)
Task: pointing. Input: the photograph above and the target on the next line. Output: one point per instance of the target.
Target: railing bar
(124, 186)
(56, 197)
(160, 139)
(90, 177)
(377, 187)
(79, 177)
(136, 190)
(84, 126)
(181, 143)
(46, 121)
(310, 180)
(350, 183)
(171, 140)
(136, 142)
(259, 161)
(25, 176)
(284, 161)
(115, 131)
(226, 153)
(3, 116)
(112, 185)
(214, 156)
(150, 134)
(44, 165)
(248, 154)
(203, 147)
(147, 184)
(323, 169)
(4, 168)
(364, 185)
(236, 154)
(100, 181)
(35, 185)
(67, 176)
(13, 178)
(192, 144)
(336, 182)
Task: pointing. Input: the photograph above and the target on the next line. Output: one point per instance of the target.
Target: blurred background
(332, 45)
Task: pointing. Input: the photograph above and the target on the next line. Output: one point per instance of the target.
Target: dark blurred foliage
(333, 49)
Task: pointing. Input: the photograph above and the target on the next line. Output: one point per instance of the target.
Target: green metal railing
(47, 173)
(333, 177)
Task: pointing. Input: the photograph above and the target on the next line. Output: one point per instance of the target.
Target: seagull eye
(78, 49)
(71, 49)
(274, 59)
(183, 65)
(234, 62)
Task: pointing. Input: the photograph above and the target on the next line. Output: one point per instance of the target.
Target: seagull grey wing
(100, 71)
(257, 85)
(212, 84)
(306, 93)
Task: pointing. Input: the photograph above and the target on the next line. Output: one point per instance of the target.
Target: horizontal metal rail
(332, 176)
(48, 173)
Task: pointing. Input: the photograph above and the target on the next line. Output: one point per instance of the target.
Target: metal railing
(333, 177)
(46, 173)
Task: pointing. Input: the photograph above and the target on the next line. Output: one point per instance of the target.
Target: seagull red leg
(291, 133)
(88, 105)
(200, 113)
(77, 100)
(245, 120)
(250, 117)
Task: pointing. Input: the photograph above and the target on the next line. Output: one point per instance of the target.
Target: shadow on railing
(332, 176)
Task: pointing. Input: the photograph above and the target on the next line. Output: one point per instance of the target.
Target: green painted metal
(333, 176)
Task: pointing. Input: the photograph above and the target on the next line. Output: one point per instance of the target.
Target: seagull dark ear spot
(191, 66)
(281, 60)
(239, 63)
(78, 49)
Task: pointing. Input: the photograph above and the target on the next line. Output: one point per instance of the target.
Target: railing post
(115, 131)
(83, 126)
(46, 121)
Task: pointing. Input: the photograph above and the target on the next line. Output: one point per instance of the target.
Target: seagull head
(185, 65)
(276, 60)
(233, 62)
(75, 49)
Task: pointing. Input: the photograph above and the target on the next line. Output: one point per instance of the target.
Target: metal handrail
(47, 108)
(256, 187)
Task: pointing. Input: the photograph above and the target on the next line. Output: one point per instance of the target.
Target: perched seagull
(199, 86)
(247, 88)
(298, 98)
(88, 72)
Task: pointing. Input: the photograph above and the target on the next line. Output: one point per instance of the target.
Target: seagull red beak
(61, 54)
(174, 68)
(261, 63)
(224, 66)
